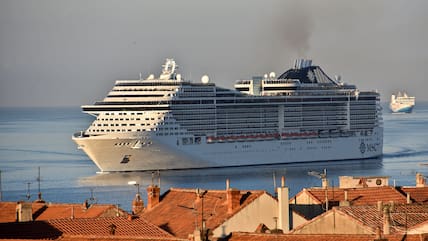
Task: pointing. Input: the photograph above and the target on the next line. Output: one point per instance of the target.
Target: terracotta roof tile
(58, 211)
(96, 238)
(420, 225)
(8, 212)
(84, 228)
(358, 196)
(238, 236)
(417, 194)
(47, 211)
(179, 211)
(402, 216)
(104, 227)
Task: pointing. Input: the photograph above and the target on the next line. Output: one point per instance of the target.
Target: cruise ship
(168, 122)
(402, 103)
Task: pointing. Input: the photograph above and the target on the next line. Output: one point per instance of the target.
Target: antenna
(195, 212)
(275, 219)
(159, 179)
(135, 184)
(117, 209)
(38, 179)
(28, 195)
(274, 181)
(201, 193)
(1, 190)
(92, 199)
(39, 194)
(323, 177)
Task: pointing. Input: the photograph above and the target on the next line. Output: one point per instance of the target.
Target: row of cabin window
(142, 89)
(171, 134)
(120, 113)
(111, 119)
(139, 130)
(132, 124)
(125, 113)
(120, 125)
(119, 130)
(151, 129)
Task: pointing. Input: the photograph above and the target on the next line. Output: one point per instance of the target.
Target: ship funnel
(302, 63)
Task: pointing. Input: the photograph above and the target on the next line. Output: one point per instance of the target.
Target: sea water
(40, 138)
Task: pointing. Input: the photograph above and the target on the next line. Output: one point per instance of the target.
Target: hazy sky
(68, 53)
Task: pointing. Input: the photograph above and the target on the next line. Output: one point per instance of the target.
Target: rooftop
(86, 228)
(47, 211)
(417, 194)
(238, 236)
(180, 210)
(356, 196)
(402, 216)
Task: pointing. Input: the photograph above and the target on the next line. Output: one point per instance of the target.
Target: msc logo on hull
(368, 147)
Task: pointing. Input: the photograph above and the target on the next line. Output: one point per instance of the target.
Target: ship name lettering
(372, 147)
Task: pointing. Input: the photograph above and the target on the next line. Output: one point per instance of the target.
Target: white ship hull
(163, 152)
(401, 108)
(170, 123)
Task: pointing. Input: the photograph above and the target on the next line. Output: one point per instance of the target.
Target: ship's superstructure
(171, 123)
(402, 103)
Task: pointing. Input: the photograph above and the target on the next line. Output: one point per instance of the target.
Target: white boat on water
(402, 103)
(172, 123)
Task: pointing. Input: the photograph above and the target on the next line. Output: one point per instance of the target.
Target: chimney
(324, 183)
(378, 234)
(196, 236)
(137, 204)
(408, 200)
(283, 207)
(386, 220)
(379, 206)
(153, 197)
(233, 198)
(39, 199)
(85, 204)
(24, 212)
(345, 202)
(112, 229)
(420, 180)
(391, 206)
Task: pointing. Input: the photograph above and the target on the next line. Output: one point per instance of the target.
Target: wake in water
(406, 153)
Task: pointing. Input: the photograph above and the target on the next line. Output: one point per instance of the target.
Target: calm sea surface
(41, 137)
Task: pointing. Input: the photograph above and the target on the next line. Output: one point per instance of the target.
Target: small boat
(402, 103)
